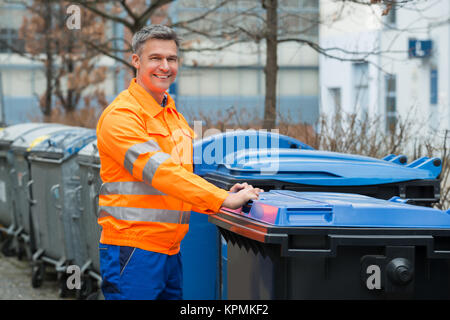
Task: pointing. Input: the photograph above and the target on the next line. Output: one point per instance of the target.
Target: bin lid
(63, 144)
(211, 151)
(323, 168)
(89, 153)
(9, 134)
(32, 138)
(285, 208)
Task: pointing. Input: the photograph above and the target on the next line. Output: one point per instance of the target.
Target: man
(149, 189)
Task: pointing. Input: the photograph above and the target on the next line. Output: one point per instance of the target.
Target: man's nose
(164, 65)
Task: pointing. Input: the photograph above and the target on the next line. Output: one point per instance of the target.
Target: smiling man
(149, 187)
(157, 64)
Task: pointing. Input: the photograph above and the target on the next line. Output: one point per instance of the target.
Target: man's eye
(172, 59)
(155, 59)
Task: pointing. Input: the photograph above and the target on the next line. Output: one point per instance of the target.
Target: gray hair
(154, 31)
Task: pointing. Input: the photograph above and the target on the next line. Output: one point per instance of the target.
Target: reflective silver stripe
(145, 215)
(129, 187)
(185, 218)
(152, 165)
(136, 150)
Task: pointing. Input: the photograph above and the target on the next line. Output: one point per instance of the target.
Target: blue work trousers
(134, 274)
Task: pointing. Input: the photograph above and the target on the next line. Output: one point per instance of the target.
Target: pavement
(15, 282)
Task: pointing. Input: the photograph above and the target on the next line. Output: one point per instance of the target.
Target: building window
(361, 87)
(10, 42)
(391, 102)
(433, 86)
(335, 98)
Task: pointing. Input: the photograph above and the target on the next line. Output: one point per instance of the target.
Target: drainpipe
(381, 106)
(2, 104)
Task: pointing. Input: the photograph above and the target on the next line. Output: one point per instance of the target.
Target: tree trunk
(271, 69)
(47, 107)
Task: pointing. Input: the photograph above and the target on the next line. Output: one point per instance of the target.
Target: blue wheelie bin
(318, 245)
(322, 171)
(200, 248)
(313, 170)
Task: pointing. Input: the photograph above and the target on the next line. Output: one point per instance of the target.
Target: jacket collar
(147, 101)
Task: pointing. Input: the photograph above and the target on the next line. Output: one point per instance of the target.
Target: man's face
(157, 65)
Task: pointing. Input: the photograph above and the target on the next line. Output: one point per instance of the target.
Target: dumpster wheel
(86, 288)
(37, 276)
(21, 252)
(6, 247)
(63, 291)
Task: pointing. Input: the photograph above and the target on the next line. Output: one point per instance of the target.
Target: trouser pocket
(108, 269)
(125, 255)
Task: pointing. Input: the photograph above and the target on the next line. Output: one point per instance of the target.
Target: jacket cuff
(218, 200)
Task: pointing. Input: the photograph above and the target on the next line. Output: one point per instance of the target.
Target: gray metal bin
(7, 137)
(21, 180)
(55, 218)
(8, 205)
(89, 171)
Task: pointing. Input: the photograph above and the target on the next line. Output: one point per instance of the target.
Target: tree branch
(103, 14)
(127, 9)
(202, 16)
(19, 52)
(155, 4)
(109, 54)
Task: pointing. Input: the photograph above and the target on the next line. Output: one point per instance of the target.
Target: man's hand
(240, 186)
(237, 199)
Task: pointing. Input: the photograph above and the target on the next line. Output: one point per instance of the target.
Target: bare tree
(219, 25)
(70, 66)
(133, 15)
(264, 21)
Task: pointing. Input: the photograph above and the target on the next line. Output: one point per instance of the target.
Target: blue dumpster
(55, 215)
(200, 248)
(220, 149)
(313, 170)
(318, 245)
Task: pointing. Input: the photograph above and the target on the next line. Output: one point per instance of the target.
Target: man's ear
(135, 60)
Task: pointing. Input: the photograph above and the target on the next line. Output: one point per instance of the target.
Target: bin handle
(13, 176)
(52, 192)
(31, 201)
(96, 199)
(78, 197)
(336, 240)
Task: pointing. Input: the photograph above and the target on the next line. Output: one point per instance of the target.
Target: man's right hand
(238, 199)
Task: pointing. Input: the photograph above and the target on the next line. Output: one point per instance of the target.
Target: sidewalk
(15, 282)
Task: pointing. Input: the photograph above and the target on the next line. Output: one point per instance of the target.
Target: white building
(402, 77)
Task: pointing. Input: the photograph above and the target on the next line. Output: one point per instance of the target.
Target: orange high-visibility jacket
(149, 187)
